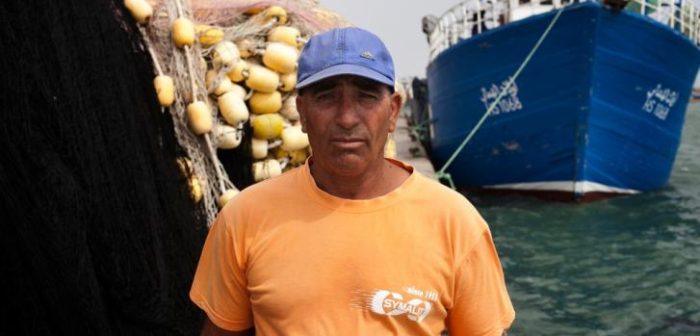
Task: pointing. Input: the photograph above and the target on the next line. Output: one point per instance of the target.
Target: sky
(397, 23)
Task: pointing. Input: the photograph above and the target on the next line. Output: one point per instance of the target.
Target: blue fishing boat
(597, 109)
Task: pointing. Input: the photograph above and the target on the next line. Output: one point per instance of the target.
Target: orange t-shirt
(290, 259)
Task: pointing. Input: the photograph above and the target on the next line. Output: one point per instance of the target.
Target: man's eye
(324, 96)
(368, 95)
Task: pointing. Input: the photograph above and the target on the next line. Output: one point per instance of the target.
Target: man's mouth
(347, 143)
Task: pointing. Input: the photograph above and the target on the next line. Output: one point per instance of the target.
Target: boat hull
(599, 108)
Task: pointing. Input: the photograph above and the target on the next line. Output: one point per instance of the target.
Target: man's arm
(482, 305)
(219, 285)
(210, 329)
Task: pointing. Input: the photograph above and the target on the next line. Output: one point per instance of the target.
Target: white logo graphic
(389, 303)
(367, 55)
(508, 103)
(660, 101)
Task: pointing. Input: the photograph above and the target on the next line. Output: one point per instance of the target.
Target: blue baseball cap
(345, 51)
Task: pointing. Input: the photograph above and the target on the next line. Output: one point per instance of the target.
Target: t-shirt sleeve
(481, 302)
(219, 286)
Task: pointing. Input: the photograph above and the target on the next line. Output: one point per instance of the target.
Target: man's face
(348, 119)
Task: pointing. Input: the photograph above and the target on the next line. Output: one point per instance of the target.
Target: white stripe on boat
(579, 187)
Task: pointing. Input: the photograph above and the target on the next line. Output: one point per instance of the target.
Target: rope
(214, 161)
(442, 174)
(178, 5)
(193, 86)
(419, 130)
(149, 47)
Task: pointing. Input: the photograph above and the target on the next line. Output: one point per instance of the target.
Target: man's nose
(347, 114)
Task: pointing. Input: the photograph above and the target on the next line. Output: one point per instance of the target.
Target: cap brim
(345, 69)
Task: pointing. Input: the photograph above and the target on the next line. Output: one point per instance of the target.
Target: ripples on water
(622, 266)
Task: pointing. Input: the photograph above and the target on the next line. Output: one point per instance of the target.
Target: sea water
(622, 266)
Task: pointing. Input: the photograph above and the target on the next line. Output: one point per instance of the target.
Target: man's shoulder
(428, 188)
(453, 208)
(434, 192)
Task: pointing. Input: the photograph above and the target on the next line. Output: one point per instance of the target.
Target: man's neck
(374, 182)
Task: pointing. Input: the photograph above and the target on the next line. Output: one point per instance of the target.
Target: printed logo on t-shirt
(415, 304)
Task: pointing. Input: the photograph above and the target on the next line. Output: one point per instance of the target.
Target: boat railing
(472, 17)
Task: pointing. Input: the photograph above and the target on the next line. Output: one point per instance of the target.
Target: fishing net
(102, 223)
(198, 74)
(307, 15)
(99, 233)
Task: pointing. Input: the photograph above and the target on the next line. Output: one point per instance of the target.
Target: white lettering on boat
(508, 103)
(660, 101)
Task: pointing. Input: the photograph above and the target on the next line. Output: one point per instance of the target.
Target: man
(350, 243)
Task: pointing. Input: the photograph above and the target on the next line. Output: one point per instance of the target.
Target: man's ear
(301, 108)
(395, 102)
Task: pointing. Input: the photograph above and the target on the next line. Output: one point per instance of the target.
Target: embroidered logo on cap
(368, 55)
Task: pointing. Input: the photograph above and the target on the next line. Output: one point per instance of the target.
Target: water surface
(623, 266)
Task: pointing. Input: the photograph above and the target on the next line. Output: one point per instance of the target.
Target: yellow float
(183, 32)
(258, 148)
(233, 108)
(226, 197)
(280, 57)
(293, 138)
(199, 117)
(276, 13)
(267, 126)
(225, 54)
(223, 84)
(141, 10)
(260, 78)
(285, 34)
(227, 137)
(298, 157)
(289, 108)
(262, 103)
(239, 91)
(209, 35)
(288, 82)
(246, 47)
(279, 153)
(264, 170)
(195, 188)
(165, 89)
(239, 71)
